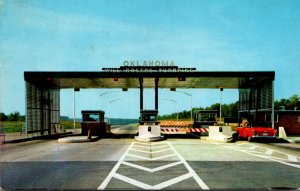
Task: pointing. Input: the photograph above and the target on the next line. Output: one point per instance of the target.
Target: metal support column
(156, 93)
(42, 112)
(221, 90)
(257, 92)
(250, 106)
(272, 116)
(26, 106)
(141, 94)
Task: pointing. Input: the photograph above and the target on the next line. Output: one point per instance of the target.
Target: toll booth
(149, 117)
(205, 118)
(149, 129)
(93, 121)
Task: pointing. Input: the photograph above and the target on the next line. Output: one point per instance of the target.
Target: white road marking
(155, 187)
(151, 159)
(278, 151)
(269, 152)
(272, 157)
(292, 158)
(240, 144)
(114, 174)
(152, 169)
(172, 181)
(113, 171)
(133, 181)
(155, 147)
(253, 147)
(148, 147)
(261, 156)
(194, 174)
(142, 151)
(157, 143)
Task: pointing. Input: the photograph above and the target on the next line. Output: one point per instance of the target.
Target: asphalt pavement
(120, 162)
(123, 163)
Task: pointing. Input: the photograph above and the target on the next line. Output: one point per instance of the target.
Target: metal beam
(141, 94)
(156, 93)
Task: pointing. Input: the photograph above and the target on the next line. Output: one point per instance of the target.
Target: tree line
(231, 110)
(228, 110)
(15, 116)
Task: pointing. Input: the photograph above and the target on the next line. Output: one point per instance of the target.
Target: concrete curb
(293, 140)
(54, 136)
(289, 146)
(77, 139)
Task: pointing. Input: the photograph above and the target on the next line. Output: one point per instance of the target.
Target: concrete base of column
(148, 133)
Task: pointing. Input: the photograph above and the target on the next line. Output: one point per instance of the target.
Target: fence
(2, 132)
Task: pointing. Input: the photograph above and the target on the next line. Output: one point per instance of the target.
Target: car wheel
(249, 138)
(235, 136)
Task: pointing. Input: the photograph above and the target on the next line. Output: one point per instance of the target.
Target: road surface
(123, 163)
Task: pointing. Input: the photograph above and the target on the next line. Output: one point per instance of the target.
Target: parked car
(251, 133)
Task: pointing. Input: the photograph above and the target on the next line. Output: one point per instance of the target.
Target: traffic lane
(54, 175)
(88, 175)
(51, 150)
(246, 174)
(131, 129)
(125, 127)
(242, 164)
(208, 159)
(238, 151)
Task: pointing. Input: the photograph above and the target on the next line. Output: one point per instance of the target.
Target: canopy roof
(128, 77)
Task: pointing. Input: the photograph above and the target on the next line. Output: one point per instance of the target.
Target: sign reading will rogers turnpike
(148, 66)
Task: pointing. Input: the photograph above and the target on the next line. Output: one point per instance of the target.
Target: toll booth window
(207, 117)
(90, 117)
(149, 118)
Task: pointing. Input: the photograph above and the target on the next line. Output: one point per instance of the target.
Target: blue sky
(211, 35)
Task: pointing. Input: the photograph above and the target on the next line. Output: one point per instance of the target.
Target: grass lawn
(12, 126)
(16, 126)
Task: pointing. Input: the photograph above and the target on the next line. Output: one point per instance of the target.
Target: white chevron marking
(151, 169)
(158, 143)
(172, 181)
(114, 170)
(153, 147)
(194, 174)
(159, 151)
(152, 159)
(142, 146)
(162, 185)
(155, 187)
(132, 181)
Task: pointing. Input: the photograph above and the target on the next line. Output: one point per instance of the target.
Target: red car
(251, 133)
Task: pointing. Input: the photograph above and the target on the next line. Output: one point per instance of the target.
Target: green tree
(3, 117)
(15, 117)
(288, 104)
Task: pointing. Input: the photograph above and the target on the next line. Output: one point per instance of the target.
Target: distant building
(289, 119)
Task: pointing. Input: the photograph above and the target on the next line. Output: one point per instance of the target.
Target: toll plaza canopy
(43, 88)
(128, 77)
